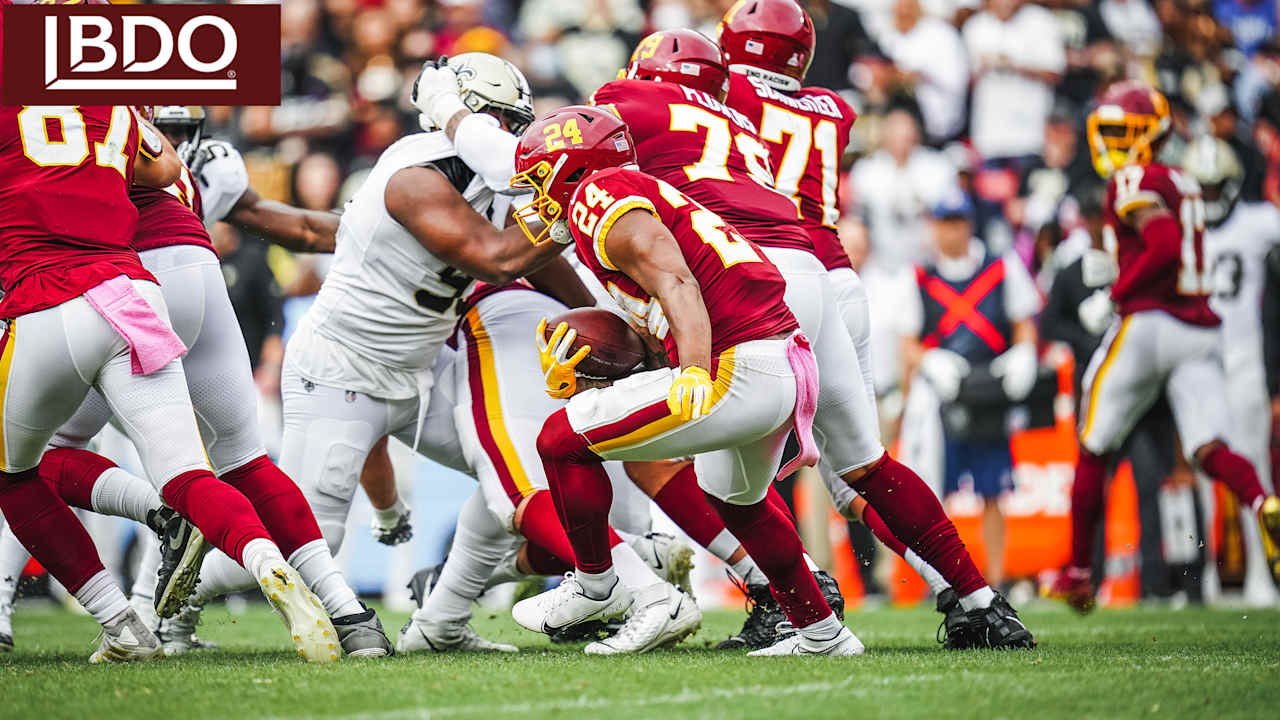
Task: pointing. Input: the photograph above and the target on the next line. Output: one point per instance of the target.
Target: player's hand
(1016, 368)
(944, 370)
(557, 366)
(1097, 312)
(655, 321)
(1098, 268)
(435, 94)
(690, 393)
(391, 526)
(560, 233)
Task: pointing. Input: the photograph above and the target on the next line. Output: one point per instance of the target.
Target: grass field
(1122, 664)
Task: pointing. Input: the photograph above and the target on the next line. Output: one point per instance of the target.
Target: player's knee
(862, 474)
(558, 442)
(651, 477)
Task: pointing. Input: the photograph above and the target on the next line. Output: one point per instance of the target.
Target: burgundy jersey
(708, 151)
(65, 217)
(742, 290)
(1183, 290)
(169, 216)
(806, 132)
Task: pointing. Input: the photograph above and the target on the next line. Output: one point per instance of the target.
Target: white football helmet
(1214, 165)
(487, 83)
(184, 126)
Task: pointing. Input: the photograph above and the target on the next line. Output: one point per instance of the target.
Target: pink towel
(152, 343)
(805, 367)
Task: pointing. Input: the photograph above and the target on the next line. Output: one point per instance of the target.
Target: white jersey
(387, 305)
(1237, 251)
(222, 179)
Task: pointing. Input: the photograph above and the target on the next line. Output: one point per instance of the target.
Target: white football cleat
(126, 639)
(419, 636)
(567, 604)
(661, 616)
(313, 635)
(671, 559)
(844, 643)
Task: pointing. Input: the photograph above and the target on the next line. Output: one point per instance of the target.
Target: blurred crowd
(984, 98)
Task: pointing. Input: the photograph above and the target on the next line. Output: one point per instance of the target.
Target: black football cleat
(182, 551)
(763, 617)
(831, 591)
(589, 631)
(361, 634)
(953, 632)
(997, 627)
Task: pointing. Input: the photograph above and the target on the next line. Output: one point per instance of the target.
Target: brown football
(616, 349)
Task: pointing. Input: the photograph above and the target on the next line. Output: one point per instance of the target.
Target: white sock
(633, 571)
(747, 571)
(809, 563)
(102, 597)
(388, 516)
(13, 558)
(597, 585)
(259, 555)
(121, 494)
(978, 599)
(220, 575)
(724, 545)
(315, 564)
(144, 583)
(825, 629)
(936, 582)
(479, 546)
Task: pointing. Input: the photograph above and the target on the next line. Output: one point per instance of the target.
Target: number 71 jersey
(1184, 291)
(742, 290)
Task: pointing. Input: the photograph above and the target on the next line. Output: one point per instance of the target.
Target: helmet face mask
(489, 84)
(1127, 127)
(556, 152)
(1217, 169)
(183, 125)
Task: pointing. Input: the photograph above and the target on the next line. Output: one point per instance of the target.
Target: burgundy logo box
(141, 55)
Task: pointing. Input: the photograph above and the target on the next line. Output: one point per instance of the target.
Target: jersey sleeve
(598, 204)
(487, 149)
(1134, 187)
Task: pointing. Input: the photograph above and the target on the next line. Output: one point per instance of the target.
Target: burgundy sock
(278, 502)
(774, 498)
(71, 473)
(541, 526)
(913, 514)
(581, 491)
(1236, 473)
(1087, 495)
(774, 545)
(45, 525)
(684, 502)
(876, 525)
(543, 562)
(224, 515)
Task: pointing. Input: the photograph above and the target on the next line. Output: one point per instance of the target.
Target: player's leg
(40, 380)
(225, 400)
(13, 558)
(155, 411)
(1197, 395)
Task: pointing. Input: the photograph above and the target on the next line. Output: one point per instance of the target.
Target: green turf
(1122, 664)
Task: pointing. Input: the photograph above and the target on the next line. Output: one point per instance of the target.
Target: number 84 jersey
(1181, 289)
(743, 291)
(387, 304)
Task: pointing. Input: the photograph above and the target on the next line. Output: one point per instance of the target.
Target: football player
(1166, 339)
(1238, 235)
(672, 99)
(93, 311)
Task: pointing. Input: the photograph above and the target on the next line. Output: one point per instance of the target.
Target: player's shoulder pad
(1134, 187)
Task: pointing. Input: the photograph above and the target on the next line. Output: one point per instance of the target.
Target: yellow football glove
(690, 393)
(557, 369)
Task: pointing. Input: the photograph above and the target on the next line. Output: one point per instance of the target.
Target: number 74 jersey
(1183, 291)
(742, 290)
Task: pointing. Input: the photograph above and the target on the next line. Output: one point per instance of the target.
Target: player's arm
(559, 280)
(427, 205)
(292, 228)
(1161, 247)
(640, 246)
(157, 164)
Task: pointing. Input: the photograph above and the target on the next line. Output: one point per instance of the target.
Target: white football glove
(944, 370)
(1097, 312)
(435, 94)
(1016, 368)
(391, 526)
(1098, 268)
(656, 321)
(560, 232)
(219, 171)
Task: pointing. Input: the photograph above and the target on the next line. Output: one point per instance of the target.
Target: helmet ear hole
(576, 175)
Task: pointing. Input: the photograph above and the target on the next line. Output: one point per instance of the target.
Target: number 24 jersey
(742, 290)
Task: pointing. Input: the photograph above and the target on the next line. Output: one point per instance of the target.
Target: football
(616, 349)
